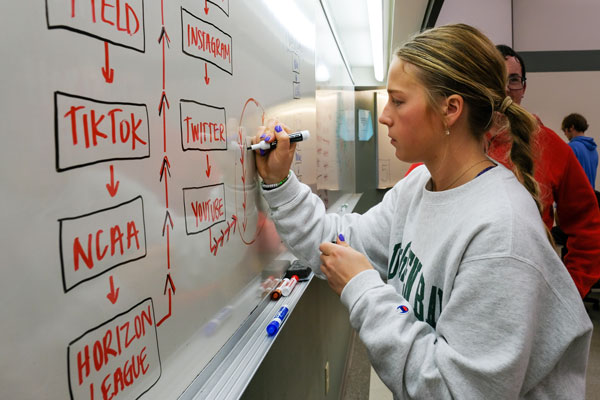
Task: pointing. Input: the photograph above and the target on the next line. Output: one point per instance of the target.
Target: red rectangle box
(120, 22)
(89, 131)
(203, 127)
(95, 243)
(118, 359)
(201, 39)
(203, 207)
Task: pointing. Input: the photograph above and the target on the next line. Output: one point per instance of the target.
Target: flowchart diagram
(119, 358)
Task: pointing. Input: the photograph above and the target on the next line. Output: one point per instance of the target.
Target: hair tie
(505, 104)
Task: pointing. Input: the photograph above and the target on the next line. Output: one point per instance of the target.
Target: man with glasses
(562, 182)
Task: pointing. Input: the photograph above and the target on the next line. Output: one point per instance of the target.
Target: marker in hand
(294, 137)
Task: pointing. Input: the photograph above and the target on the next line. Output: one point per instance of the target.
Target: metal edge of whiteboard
(213, 365)
(216, 365)
(238, 389)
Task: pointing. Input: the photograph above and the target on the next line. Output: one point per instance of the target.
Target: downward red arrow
(107, 71)
(207, 167)
(206, 7)
(112, 295)
(112, 187)
(206, 78)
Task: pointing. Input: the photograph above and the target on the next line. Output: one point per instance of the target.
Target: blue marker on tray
(277, 320)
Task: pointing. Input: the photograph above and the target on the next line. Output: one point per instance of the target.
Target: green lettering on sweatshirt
(414, 271)
(406, 266)
(418, 307)
(397, 260)
(394, 261)
(407, 259)
(432, 316)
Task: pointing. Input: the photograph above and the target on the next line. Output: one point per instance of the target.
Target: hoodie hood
(587, 141)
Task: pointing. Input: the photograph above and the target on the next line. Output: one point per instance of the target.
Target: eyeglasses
(516, 82)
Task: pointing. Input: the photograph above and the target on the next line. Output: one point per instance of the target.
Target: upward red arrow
(107, 71)
(164, 35)
(163, 101)
(165, 167)
(169, 281)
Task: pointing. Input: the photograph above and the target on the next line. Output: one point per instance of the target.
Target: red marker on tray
(288, 286)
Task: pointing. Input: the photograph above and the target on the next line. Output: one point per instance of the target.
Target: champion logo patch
(403, 309)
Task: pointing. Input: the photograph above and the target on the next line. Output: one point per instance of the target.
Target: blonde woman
(451, 281)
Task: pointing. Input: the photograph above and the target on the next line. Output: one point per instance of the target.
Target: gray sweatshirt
(468, 299)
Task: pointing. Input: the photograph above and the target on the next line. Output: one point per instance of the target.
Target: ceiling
(350, 21)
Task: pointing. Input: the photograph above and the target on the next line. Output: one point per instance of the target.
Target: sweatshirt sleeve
(303, 224)
(484, 338)
(579, 218)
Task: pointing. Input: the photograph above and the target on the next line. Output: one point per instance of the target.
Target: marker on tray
(294, 137)
(276, 322)
(288, 286)
(277, 293)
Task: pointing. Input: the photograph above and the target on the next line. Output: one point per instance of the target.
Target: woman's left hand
(340, 263)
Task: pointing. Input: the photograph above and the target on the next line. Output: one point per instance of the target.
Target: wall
(553, 95)
(492, 17)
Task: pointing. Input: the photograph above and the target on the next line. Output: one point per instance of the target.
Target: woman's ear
(453, 108)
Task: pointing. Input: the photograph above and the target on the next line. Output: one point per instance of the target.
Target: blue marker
(276, 322)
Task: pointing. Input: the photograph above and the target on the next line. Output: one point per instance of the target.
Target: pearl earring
(447, 132)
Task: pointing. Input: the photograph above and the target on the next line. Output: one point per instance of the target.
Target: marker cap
(273, 327)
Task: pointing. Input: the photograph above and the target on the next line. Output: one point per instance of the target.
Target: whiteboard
(135, 238)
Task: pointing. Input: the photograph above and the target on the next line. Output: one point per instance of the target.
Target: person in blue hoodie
(574, 127)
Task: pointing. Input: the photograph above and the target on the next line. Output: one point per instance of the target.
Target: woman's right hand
(273, 165)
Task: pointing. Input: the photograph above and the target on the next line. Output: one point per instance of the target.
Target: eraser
(299, 269)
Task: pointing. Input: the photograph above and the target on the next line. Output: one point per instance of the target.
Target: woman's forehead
(402, 76)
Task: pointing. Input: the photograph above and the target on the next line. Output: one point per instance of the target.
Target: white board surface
(135, 241)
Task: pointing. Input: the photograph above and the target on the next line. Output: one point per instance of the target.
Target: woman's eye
(397, 102)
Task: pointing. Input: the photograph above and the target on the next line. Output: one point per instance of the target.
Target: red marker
(287, 287)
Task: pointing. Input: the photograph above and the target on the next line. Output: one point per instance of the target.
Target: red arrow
(107, 71)
(112, 296)
(169, 281)
(165, 166)
(207, 167)
(166, 228)
(164, 35)
(165, 225)
(206, 7)
(163, 101)
(159, 323)
(112, 187)
(234, 223)
(206, 78)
